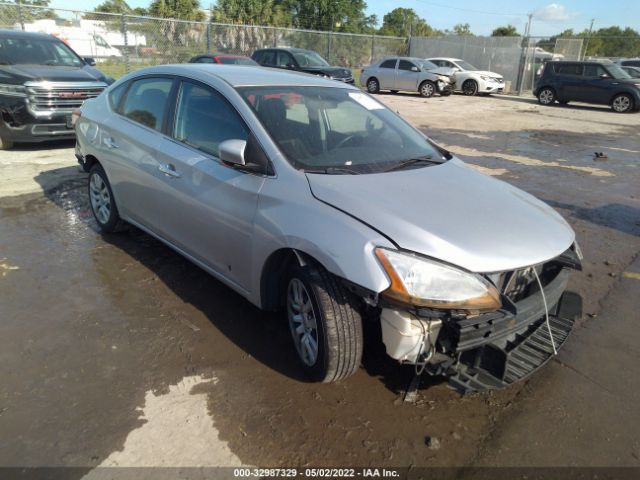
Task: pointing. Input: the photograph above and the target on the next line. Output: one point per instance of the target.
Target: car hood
(18, 74)
(452, 213)
(486, 73)
(335, 72)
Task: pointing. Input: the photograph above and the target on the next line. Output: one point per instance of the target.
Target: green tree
(330, 15)
(508, 31)
(404, 22)
(460, 29)
(180, 9)
(9, 15)
(251, 12)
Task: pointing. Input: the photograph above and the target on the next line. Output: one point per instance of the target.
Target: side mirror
(604, 75)
(415, 69)
(232, 152)
(290, 66)
(90, 61)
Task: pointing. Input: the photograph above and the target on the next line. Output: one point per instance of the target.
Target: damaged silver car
(309, 196)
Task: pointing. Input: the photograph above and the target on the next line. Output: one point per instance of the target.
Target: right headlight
(12, 90)
(418, 281)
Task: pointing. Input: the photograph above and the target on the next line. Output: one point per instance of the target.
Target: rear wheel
(373, 86)
(103, 205)
(5, 143)
(325, 327)
(622, 103)
(546, 96)
(470, 87)
(427, 89)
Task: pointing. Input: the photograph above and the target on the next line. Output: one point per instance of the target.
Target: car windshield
(36, 51)
(338, 130)
(617, 72)
(426, 65)
(309, 59)
(465, 66)
(236, 61)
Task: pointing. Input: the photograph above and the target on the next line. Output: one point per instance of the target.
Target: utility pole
(525, 53)
(588, 38)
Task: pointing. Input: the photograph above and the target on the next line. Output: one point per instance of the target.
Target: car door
(598, 84)
(208, 206)
(129, 141)
(285, 60)
(387, 74)
(406, 76)
(569, 81)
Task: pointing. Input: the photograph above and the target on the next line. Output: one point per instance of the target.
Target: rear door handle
(110, 142)
(169, 170)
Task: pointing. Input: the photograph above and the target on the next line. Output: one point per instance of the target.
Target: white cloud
(553, 12)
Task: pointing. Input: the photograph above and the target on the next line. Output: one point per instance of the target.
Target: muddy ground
(114, 350)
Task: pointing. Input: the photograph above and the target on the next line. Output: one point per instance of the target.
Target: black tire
(622, 103)
(427, 89)
(107, 222)
(338, 326)
(394, 91)
(470, 87)
(546, 96)
(5, 143)
(373, 85)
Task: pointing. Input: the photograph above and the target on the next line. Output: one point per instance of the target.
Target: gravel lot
(116, 351)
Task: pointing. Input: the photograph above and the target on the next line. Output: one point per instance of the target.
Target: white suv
(470, 80)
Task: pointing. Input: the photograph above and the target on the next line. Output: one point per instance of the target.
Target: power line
(486, 12)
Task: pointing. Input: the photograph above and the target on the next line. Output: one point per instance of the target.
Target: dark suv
(41, 82)
(590, 82)
(301, 60)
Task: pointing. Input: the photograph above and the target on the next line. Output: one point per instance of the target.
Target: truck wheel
(103, 204)
(427, 89)
(325, 326)
(622, 103)
(470, 87)
(546, 96)
(5, 143)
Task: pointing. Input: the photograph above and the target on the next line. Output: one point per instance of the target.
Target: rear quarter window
(116, 94)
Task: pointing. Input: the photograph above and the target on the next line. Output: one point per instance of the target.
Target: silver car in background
(407, 74)
(309, 196)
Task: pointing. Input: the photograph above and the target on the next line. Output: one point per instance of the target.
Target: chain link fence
(122, 43)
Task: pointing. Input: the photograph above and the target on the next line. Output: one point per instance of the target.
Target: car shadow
(48, 145)
(263, 335)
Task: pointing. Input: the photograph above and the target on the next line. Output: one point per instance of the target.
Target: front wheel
(427, 89)
(470, 87)
(373, 86)
(622, 103)
(325, 327)
(546, 96)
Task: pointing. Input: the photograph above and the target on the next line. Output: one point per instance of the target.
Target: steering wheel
(346, 140)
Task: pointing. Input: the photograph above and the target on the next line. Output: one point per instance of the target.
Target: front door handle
(110, 142)
(169, 170)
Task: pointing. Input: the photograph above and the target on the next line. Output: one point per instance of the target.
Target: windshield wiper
(331, 170)
(413, 161)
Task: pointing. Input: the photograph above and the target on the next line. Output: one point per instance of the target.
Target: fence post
(20, 18)
(127, 68)
(275, 37)
(208, 37)
(373, 47)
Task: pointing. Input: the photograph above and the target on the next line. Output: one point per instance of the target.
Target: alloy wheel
(427, 89)
(546, 97)
(372, 86)
(302, 321)
(100, 198)
(621, 103)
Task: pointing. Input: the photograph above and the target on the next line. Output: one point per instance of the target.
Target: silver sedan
(309, 196)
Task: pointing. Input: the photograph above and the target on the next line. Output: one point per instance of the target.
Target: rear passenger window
(116, 94)
(146, 101)
(388, 63)
(204, 119)
(569, 69)
(268, 58)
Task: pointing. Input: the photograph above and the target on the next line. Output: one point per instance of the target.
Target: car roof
(603, 61)
(243, 75)
(20, 34)
(225, 55)
(287, 49)
(451, 59)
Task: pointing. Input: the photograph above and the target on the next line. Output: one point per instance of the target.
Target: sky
(548, 17)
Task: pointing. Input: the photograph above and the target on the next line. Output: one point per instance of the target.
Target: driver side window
(405, 65)
(284, 59)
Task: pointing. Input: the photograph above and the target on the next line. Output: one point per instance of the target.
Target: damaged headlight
(418, 281)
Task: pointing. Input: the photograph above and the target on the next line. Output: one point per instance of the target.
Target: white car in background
(470, 80)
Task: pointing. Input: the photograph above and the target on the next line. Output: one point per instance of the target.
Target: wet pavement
(95, 328)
